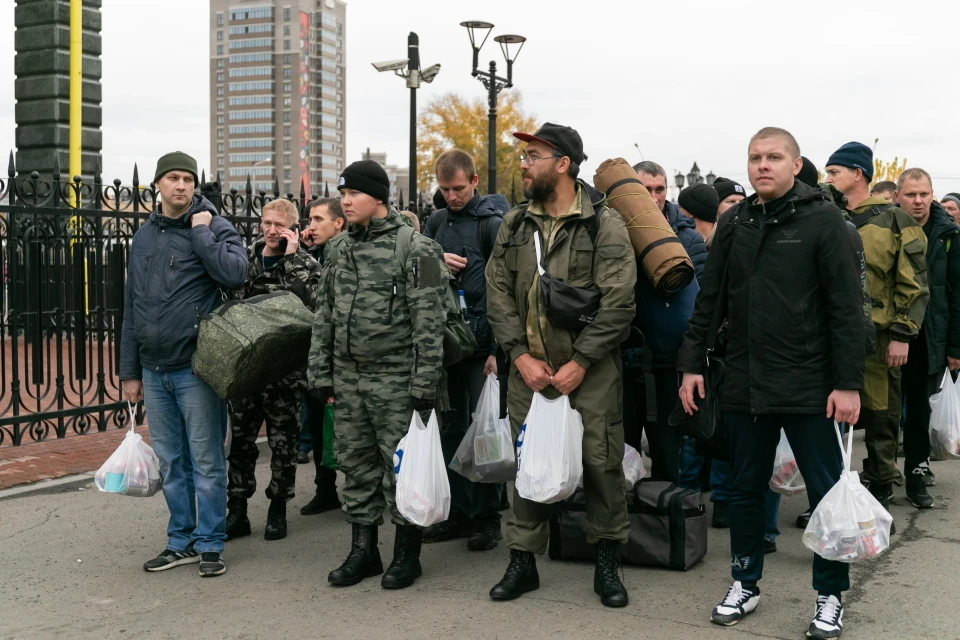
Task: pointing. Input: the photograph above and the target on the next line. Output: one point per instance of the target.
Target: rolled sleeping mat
(659, 251)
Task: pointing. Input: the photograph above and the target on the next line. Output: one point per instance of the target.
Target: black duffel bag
(668, 527)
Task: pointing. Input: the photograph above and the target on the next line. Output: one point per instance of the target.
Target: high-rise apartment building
(278, 93)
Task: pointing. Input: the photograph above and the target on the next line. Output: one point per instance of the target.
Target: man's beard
(542, 188)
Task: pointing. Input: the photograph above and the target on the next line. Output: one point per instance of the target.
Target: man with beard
(585, 245)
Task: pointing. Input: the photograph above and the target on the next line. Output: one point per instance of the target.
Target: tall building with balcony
(278, 93)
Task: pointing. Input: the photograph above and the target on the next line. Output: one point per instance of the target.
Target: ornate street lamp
(711, 178)
(493, 83)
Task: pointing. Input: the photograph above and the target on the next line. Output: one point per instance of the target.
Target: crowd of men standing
(841, 302)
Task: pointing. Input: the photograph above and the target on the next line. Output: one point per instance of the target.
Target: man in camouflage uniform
(585, 244)
(895, 251)
(377, 352)
(277, 262)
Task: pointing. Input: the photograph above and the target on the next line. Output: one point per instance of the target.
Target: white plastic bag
(848, 524)
(549, 451)
(945, 419)
(633, 470)
(786, 478)
(133, 469)
(486, 453)
(423, 491)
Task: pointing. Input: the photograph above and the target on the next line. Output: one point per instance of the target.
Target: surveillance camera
(390, 65)
(430, 73)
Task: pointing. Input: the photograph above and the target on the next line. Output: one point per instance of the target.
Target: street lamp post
(494, 85)
(409, 69)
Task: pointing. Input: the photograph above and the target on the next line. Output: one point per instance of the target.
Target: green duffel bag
(246, 344)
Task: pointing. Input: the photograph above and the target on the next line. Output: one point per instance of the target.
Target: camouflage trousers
(373, 414)
(279, 405)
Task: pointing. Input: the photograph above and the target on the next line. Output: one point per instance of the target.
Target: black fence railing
(64, 247)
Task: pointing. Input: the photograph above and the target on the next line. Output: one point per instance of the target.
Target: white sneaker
(828, 620)
(738, 603)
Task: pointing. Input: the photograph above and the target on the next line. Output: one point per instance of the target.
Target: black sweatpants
(918, 386)
(753, 445)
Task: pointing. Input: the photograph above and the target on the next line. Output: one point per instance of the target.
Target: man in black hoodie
(466, 230)
(795, 357)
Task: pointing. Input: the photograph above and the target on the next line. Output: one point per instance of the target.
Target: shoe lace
(518, 564)
(828, 610)
(609, 561)
(735, 596)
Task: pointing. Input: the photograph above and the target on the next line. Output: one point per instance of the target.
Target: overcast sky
(687, 81)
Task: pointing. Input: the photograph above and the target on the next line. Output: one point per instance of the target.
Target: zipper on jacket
(393, 293)
(352, 302)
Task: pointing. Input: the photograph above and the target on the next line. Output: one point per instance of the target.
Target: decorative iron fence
(64, 247)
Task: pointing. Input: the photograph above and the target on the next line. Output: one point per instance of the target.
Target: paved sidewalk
(55, 458)
(71, 566)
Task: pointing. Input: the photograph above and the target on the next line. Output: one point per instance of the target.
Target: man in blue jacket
(466, 230)
(654, 178)
(180, 261)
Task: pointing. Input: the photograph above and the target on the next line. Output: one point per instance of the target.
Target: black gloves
(424, 404)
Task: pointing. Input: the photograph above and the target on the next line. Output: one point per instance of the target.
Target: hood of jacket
(483, 206)
(942, 223)
(199, 204)
(872, 201)
(676, 219)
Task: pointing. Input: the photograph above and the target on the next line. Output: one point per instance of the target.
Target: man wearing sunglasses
(585, 245)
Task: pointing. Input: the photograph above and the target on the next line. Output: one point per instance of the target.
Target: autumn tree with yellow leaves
(888, 170)
(452, 121)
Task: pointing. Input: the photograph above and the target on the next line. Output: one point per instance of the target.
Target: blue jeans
(720, 481)
(753, 446)
(188, 424)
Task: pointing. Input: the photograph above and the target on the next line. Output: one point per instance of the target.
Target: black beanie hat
(726, 187)
(366, 176)
(700, 201)
(808, 173)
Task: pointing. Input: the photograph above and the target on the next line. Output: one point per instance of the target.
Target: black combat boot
(521, 576)
(606, 576)
(405, 567)
(363, 560)
(238, 525)
(276, 520)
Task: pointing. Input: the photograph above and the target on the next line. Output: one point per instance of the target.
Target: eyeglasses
(530, 160)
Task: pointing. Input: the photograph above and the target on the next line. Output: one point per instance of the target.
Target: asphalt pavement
(71, 558)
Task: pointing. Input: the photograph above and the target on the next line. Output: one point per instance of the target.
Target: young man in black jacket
(937, 347)
(795, 357)
(466, 230)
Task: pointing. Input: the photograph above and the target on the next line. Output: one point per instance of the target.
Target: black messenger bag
(565, 306)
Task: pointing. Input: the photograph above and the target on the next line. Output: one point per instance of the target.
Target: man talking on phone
(277, 262)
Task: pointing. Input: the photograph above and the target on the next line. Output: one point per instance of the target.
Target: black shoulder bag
(706, 425)
(566, 306)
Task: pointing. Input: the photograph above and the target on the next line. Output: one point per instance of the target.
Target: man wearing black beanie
(700, 202)
(377, 352)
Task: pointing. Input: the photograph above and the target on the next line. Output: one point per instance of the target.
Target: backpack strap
(484, 241)
(436, 222)
(592, 223)
(404, 243)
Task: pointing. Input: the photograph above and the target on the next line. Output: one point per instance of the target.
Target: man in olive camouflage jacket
(895, 249)
(277, 263)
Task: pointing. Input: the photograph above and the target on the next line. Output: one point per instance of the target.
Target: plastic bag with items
(945, 419)
(133, 469)
(633, 469)
(848, 524)
(549, 451)
(786, 478)
(423, 491)
(486, 452)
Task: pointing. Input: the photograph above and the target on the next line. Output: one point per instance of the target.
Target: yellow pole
(76, 118)
(76, 87)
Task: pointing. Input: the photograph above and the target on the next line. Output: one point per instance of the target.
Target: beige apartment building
(278, 93)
